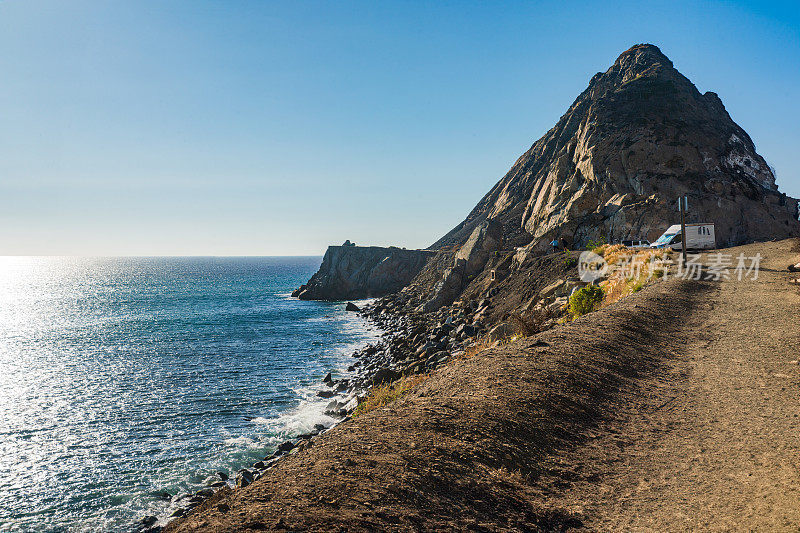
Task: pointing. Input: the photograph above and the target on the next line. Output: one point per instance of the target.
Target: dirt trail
(675, 409)
(723, 453)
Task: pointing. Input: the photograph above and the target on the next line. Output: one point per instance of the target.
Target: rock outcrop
(470, 259)
(352, 272)
(638, 138)
(486, 239)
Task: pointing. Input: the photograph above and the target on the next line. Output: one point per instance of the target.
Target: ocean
(122, 379)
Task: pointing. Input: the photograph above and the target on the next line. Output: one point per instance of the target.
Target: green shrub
(585, 300)
(594, 244)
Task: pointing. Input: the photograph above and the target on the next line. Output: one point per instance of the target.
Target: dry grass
(478, 346)
(522, 327)
(483, 343)
(612, 253)
(504, 475)
(635, 269)
(616, 289)
(383, 395)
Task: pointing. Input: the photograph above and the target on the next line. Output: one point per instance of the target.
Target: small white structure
(699, 236)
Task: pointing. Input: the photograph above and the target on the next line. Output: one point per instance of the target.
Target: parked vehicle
(699, 236)
(636, 243)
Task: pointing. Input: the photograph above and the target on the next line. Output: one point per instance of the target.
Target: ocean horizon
(129, 380)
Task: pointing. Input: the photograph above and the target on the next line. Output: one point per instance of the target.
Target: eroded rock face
(352, 272)
(485, 239)
(447, 289)
(639, 137)
(470, 259)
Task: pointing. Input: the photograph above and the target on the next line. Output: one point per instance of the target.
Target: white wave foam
(238, 441)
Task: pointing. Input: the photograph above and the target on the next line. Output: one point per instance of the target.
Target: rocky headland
(350, 272)
(497, 384)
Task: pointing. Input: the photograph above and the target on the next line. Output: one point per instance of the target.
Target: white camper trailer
(698, 237)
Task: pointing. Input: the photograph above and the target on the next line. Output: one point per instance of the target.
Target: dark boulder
(286, 446)
(467, 330)
(244, 478)
(204, 493)
(298, 291)
(336, 409)
(384, 375)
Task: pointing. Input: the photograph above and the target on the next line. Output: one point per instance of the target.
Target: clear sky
(268, 128)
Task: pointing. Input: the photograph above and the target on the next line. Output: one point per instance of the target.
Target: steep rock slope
(640, 136)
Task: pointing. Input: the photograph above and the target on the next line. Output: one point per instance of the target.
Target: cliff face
(355, 272)
(640, 136)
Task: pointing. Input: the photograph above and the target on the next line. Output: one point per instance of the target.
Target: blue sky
(266, 128)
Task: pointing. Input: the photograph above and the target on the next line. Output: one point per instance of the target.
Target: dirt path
(674, 409)
(724, 454)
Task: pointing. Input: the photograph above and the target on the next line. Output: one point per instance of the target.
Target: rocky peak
(641, 58)
(640, 62)
(636, 139)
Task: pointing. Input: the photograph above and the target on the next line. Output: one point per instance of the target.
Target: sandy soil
(675, 409)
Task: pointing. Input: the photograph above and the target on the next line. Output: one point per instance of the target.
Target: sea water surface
(122, 379)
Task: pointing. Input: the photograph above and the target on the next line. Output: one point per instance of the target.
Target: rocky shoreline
(396, 354)
(411, 343)
(414, 342)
